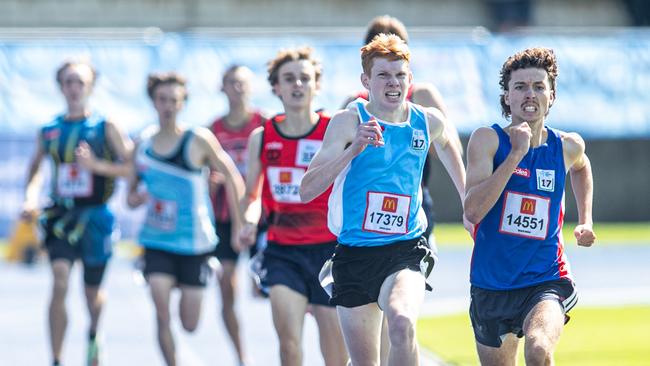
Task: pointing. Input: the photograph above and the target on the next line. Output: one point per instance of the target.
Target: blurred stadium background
(457, 45)
(603, 49)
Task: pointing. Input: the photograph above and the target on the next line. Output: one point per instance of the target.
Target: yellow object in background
(24, 244)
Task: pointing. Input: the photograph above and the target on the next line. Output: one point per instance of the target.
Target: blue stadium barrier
(602, 88)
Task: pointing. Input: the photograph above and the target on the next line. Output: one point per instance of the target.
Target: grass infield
(593, 337)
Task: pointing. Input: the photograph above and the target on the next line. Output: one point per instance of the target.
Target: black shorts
(190, 270)
(494, 314)
(224, 250)
(359, 272)
(62, 249)
(297, 267)
(93, 247)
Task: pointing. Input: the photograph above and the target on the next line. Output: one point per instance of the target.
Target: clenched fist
(585, 235)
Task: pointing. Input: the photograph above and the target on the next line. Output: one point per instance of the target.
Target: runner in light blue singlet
(179, 216)
(379, 192)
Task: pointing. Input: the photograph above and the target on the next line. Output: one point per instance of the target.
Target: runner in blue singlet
(87, 152)
(178, 234)
(374, 155)
(521, 280)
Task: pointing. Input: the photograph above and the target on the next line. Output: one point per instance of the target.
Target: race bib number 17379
(387, 213)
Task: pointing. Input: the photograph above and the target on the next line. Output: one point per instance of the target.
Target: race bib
(306, 151)
(285, 183)
(387, 213)
(74, 181)
(525, 215)
(418, 140)
(162, 214)
(545, 180)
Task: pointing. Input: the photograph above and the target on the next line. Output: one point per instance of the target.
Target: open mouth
(530, 108)
(393, 95)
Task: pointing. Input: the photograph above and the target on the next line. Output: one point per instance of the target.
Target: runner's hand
(247, 235)
(367, 134)
(137, 198)
(84, 155)
(585, 235)
(520, 136)
(28, 213)
(217, 178)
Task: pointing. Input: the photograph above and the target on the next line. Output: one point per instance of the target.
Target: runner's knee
(163, 317)
(190, 321)
(227, 298)
(59, 285)
(190, 325)
(290, 346)
(539, 349)
(401, 330)
(94, 296)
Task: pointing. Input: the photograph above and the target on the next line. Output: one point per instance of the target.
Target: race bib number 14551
(525, 215)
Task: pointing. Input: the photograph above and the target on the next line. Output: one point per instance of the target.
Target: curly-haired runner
(521, 279)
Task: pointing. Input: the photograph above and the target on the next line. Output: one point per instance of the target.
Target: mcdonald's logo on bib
(389, 204)
(527, 206)
(285, 177)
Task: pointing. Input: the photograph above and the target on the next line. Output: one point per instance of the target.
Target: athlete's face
(297, 84)
(529, 95)
(169, 99)
(76, 82)
(388, 82)
(236, 84)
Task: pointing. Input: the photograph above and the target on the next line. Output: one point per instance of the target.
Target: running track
(613, 275)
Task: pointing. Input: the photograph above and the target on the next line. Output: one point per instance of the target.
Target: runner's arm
(251, 202)
(219, 160)
(483, 185)
(118, 142)
(334, 155)
(134, 197)
(447, 150)
(583, 186)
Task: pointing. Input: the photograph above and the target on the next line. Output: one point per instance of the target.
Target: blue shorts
(297, 267)
(83, 233)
